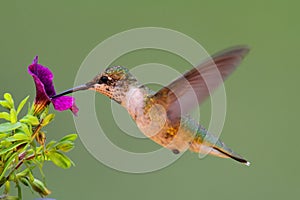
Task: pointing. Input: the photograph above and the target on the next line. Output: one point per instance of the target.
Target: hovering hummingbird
(163, 116)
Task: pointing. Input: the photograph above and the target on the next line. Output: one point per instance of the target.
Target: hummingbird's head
(114, 82)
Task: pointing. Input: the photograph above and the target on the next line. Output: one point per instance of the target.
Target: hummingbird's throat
(134, 102)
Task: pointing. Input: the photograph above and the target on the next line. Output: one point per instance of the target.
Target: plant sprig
(23, 147)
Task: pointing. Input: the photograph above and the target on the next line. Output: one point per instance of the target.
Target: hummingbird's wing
(190, 89)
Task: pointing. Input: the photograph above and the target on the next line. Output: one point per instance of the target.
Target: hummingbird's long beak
(75, 89)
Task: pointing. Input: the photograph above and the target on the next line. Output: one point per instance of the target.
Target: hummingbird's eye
(103, 79)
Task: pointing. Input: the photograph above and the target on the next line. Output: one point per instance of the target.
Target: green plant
(23, 147)
(23, 144)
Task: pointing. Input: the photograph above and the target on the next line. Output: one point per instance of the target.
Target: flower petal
(43, 79)
(41, 99)
(44, 75)
(64, 103)
(74, 109)
(41, 94)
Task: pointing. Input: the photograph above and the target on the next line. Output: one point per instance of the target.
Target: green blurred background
(262, 95)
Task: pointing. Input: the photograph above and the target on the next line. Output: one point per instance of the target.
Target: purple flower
(43, 77)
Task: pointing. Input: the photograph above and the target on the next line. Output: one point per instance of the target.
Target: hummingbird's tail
(217, 148)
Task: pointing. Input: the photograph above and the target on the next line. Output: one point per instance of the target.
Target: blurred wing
(189, 90)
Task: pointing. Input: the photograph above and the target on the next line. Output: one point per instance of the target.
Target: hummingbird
(163, 115)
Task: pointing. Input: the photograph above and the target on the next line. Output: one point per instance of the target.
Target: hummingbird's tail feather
(232, 155)
(218, 149)
(213, 146)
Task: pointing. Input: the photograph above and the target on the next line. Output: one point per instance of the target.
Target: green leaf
(5, 104)
(4, 135)
(5, 127)
(48, 119)
(44, 113)
(50, 145)
(13, 116)
(2, 181)
(30, 119)
(19, 137)
(7, 187)
(30, 176)
(26, 130)
(30, 108)
(5, 115)
(8, 164)
(11, 198)
(65, 146)
(39, 187)
(9, 99)
(21, 105)
(39, 149)
(60, 159)
(4, 143)
(14, 145)
(29, 151)
(23, 173)
(25, 181)
(7, 155)
(70, 137)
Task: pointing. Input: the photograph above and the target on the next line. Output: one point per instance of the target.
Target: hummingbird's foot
(175, 151)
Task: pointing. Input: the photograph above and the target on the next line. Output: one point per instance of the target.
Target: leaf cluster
(23, 147)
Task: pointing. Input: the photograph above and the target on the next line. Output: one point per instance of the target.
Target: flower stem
(19, 189)
(38, 128)
(18, 166)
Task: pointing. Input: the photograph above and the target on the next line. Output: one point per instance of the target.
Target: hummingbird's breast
(134, 102)
(153, 122)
